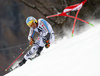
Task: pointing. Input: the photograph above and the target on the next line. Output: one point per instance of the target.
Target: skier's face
(33, 25)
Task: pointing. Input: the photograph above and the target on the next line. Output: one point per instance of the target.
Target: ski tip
(91, 24)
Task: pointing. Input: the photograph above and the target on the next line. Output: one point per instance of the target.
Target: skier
(46, 37)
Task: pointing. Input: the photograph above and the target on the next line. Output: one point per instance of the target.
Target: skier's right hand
(32, 41)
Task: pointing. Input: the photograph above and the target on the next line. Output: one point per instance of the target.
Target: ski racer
(46, 37)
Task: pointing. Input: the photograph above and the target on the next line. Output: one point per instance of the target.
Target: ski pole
(75, 21)
(80, 19)
(17, 58)
(64, 14)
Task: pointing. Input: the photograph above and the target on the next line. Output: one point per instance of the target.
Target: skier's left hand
(47, 45)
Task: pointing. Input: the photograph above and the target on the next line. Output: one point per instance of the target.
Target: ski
(12, 69)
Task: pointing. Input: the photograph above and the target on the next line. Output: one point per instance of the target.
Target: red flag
(72, 8)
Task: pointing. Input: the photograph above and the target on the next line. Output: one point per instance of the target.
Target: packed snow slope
(77, 56)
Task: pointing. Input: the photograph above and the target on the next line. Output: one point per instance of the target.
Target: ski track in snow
(77, 56)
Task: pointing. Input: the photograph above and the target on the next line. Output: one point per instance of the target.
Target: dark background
(14, 31)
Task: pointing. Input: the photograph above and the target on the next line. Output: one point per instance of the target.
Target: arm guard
(48, 36)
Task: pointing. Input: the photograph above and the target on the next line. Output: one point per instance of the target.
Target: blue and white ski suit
(43, 29)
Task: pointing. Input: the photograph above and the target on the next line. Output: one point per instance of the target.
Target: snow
(77, 56)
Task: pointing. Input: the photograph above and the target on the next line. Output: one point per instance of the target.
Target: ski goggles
(30, 23)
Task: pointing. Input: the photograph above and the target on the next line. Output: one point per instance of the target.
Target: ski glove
(47, 45)
(32, 41)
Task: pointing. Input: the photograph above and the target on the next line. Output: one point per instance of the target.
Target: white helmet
(30, 19)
